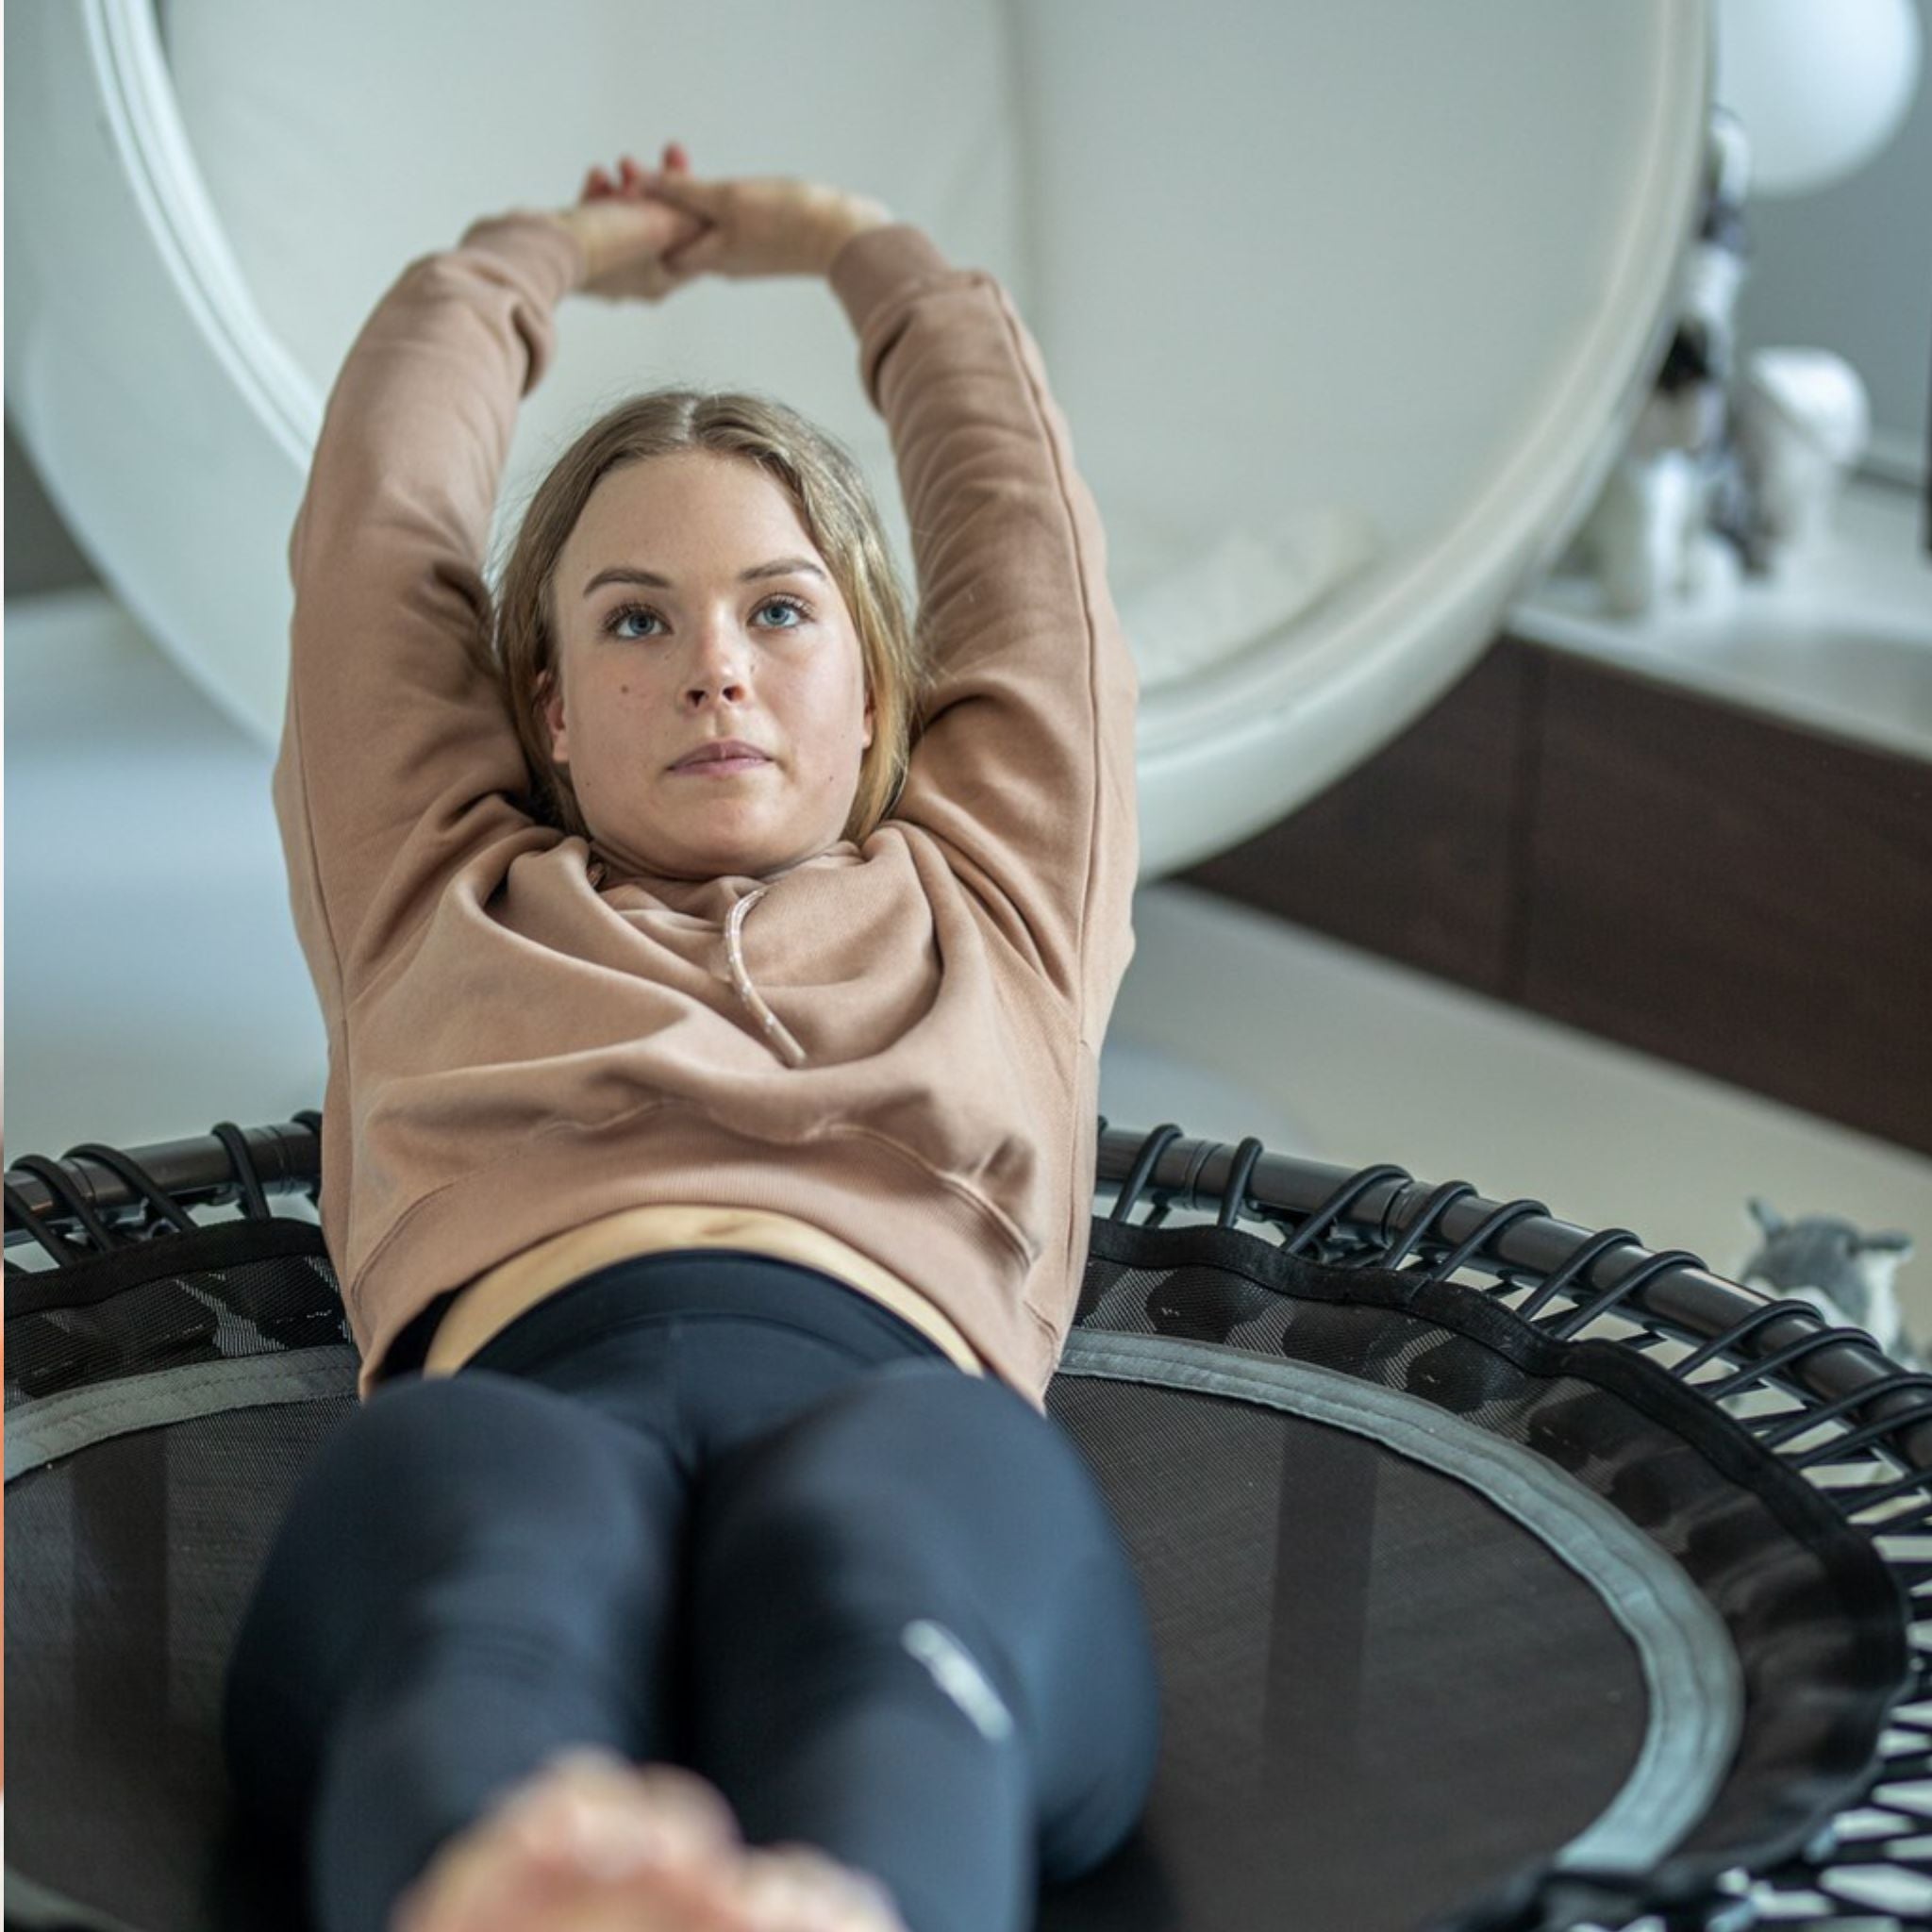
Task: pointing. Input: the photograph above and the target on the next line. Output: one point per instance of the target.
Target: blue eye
(615, 620)
(790, 604)
(613, 623)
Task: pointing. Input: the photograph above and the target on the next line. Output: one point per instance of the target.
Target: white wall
(1850, 268)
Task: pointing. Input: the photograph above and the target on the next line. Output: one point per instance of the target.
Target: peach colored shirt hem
(494, 1300)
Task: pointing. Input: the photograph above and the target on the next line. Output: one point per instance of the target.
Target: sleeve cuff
(549, 254)
(878, 263)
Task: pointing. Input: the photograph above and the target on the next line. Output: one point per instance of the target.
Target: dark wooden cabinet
(1723, 889)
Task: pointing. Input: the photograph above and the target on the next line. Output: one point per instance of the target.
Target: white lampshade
(1820, 85)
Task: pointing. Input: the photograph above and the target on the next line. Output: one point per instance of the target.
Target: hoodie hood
(725, 903)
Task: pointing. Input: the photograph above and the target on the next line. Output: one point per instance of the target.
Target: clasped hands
(650, 231)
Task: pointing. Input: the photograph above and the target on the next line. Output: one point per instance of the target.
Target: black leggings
(711, 1509)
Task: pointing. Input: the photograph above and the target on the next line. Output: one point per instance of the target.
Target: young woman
(701, 1556)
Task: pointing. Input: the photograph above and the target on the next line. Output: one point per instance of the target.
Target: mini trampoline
(1503, 1573)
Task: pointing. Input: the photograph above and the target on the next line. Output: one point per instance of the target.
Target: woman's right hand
(755, 226)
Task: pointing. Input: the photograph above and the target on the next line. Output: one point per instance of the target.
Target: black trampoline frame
(1790, 1372)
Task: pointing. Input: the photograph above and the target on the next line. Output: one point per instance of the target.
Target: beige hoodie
(895, 1042)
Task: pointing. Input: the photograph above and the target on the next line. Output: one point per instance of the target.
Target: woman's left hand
(625, 233)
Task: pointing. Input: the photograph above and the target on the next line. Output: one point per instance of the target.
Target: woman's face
(717, 643)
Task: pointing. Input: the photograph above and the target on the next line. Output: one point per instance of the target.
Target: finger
(680, 274)
(675, 229)
(690, 1806)
(642, 227)
(682, 191)
(691, 255)
(690, 229)
(638, 179)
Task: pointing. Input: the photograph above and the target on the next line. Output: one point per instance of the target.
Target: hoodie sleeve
(397, 751)
(1024, 767)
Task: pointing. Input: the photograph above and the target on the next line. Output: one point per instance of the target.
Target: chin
(725, 860)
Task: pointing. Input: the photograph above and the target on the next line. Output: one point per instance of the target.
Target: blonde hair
(829, 491)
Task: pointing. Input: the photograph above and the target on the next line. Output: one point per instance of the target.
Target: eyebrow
(634, 574)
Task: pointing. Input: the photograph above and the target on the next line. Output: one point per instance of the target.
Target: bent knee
(914, 1477)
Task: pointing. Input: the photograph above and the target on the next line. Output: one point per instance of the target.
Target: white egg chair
(1346, 306)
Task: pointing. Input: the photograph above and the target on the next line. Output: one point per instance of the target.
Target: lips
(724, 754)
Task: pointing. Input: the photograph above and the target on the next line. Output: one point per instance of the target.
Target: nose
(722, 660)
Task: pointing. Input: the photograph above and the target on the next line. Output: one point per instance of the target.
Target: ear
(1764, 1217)
(550, 700)
(870, 709)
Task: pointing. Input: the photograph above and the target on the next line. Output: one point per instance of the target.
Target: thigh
(942, 1511)
(477, 1502)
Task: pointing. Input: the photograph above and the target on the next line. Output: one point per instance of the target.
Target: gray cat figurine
(1847, 1276)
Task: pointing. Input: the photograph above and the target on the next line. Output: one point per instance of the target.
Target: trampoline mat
(1381, 1693)
(144, 1550)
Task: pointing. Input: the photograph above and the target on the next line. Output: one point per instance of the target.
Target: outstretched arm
(397, 756)
(1024, 768)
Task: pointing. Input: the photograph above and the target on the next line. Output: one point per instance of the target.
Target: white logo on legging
(955, 1673)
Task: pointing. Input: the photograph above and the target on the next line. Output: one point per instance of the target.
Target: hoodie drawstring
(747, 991)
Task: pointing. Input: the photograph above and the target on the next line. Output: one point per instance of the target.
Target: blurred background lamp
(1820, 85)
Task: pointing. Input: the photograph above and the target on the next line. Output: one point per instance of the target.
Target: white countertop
(1837, 640)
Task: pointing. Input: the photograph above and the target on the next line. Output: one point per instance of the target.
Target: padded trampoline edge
(1696, 1683)
(43, 1428)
